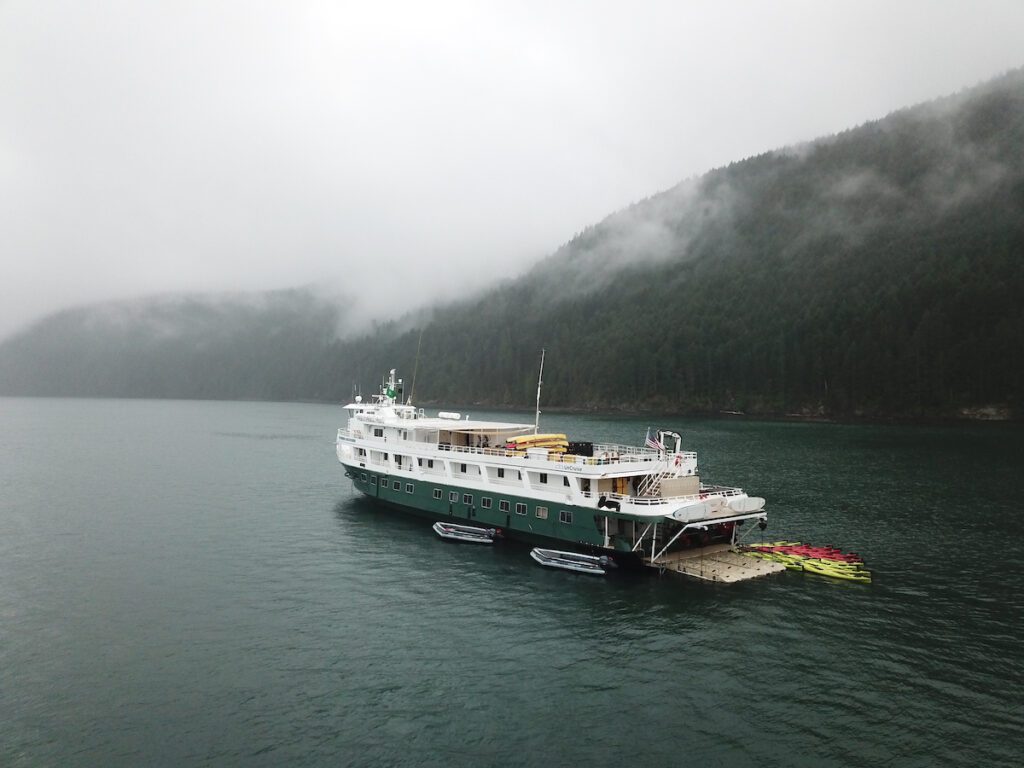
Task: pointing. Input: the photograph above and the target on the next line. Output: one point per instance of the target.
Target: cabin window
(565, 480)
(385, 457)
(485, 502)
(503, 505)
(419, 462)
(361, 451)
(408, 487)
(362, 476)
(453, 497)
(501, 472)
(519, 474)
(543, 477)
(437, 493)
(430, 463)
(565, 516)
(397, 485)
(378, 432)
(467, 498)
(398, 460)
(542, 513)
(462, 468)
(373, 480)
(520, 508)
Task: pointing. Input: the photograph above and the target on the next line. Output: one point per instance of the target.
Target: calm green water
(194, 583)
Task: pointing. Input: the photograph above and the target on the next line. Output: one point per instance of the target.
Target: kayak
(836, 573)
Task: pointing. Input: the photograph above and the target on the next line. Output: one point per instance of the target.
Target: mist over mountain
(249, 346)
(875, 272)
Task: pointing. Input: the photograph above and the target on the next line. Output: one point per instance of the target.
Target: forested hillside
(877, 272)
(249, 346)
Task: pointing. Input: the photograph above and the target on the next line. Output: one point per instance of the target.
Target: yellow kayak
(837, 573)
(529, 441)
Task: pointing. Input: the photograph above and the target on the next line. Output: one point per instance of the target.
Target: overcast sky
(419, 148)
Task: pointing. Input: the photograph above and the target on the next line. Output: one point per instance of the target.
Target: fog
(409, 152)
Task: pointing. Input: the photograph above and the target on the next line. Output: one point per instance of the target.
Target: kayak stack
(823, 561)
(555, 443)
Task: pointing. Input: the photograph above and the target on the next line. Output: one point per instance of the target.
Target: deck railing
(653, 501)
(604, 453)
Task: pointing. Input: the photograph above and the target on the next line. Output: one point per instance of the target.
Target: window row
(564, 515)
(395, 484)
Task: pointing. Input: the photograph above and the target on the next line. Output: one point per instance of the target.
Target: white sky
(423, 148)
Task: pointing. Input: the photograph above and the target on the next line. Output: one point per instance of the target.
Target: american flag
(652, 442)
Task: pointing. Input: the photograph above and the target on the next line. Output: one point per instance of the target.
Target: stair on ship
(717, 563)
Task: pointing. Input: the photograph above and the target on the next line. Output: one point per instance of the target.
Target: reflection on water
(195, 583)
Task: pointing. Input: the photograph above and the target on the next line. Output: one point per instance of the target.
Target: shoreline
(972, 416)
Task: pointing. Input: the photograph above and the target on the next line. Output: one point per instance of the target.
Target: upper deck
(505, 457)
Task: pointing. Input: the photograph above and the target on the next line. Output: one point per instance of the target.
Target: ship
(640, 505)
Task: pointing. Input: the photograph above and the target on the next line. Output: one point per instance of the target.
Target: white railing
(604, 453)
(649, 501)
(651, 484)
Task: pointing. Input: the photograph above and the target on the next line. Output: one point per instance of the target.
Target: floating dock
(717, 563)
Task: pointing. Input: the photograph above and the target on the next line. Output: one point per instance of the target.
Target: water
(194, 583)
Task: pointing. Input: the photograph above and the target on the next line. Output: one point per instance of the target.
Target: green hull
(564, 524)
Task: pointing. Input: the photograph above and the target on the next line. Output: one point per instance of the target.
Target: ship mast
(540, 380)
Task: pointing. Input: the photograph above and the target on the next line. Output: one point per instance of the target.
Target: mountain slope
(249, 346)
(875, 272)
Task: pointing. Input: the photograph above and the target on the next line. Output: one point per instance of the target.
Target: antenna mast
(415, 369)
(540, 380)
